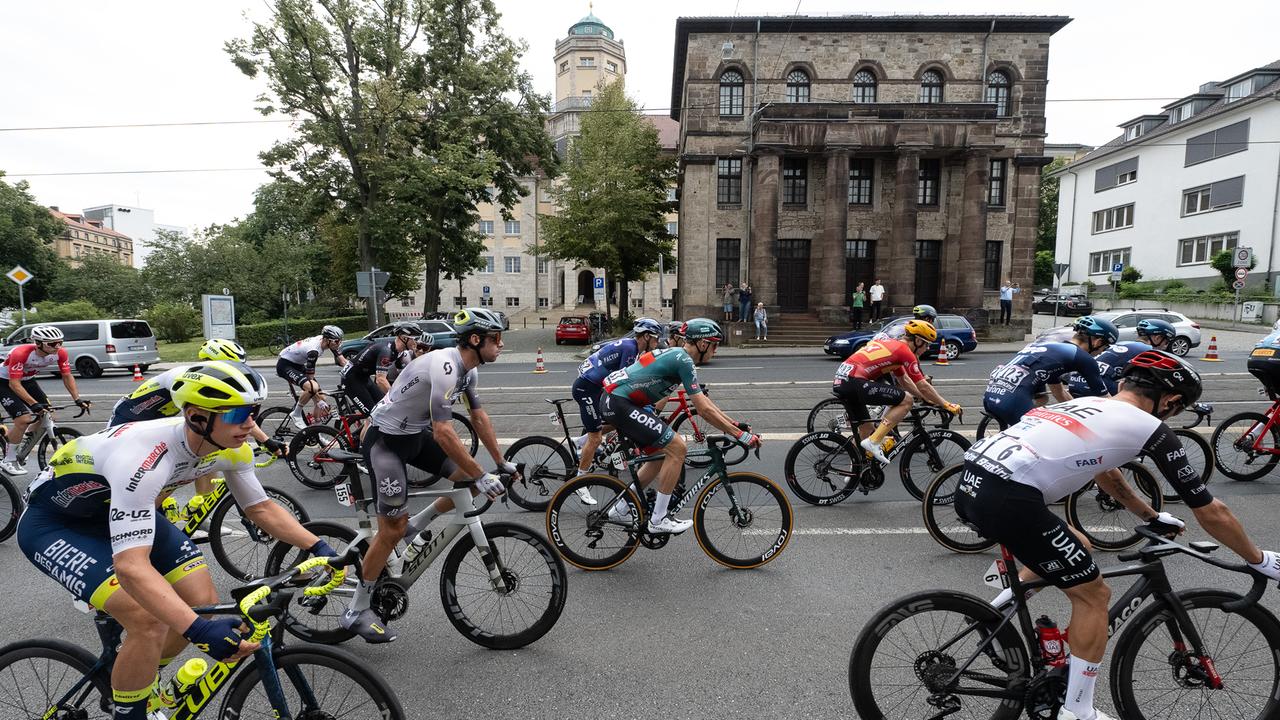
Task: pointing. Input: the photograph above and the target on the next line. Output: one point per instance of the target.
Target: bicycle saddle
(344, 456)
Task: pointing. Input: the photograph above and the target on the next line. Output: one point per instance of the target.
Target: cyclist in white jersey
(1054, 451)
(413, 424)
(297, 365)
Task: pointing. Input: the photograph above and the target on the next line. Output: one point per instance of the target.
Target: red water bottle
(1052, 642)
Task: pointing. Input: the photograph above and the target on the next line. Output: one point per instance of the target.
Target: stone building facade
(819, 152)
(84, 236)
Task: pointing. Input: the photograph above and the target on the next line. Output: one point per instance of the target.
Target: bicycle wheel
(466, 433)
(524, 608)
(942, 521)
(317, 682)
(920, 640)
(1153, 677)
(275, 422)
(547, 465)
(985, 425)
(316, 620)
(50, 444)
(1233, 451)
(1199, 455)
(1103, 520)
(585, 535)
(828, 415)
(308, 456)
(822, 468)
(239, 546)
(37, 673)
(10, 508)
(742, 520)
(928, 454)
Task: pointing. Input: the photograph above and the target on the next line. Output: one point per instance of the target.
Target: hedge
(271, 334)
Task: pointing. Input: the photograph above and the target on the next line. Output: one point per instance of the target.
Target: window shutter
(1105, 178)
(1232, 138)
(1200, 148)
(1227, 192)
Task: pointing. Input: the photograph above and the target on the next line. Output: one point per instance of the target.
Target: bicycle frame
(716, 470)
(1273, 420)
(39, 431)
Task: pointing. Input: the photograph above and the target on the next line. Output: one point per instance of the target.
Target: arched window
(998, 92)
(931, 87)
(797, 86)
(731, 90)
(864, 87)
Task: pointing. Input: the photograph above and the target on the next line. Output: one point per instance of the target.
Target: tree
(1047, 228)
(1043, 272)
(27, 230)
(613, 200)
(117, 289)
(1130, 274)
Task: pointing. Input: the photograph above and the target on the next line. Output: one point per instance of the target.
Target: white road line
(894, 531)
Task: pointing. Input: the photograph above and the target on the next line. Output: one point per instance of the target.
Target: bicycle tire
(466, 433)
(1121, 531)
(244, 557)
(569, 521)
(809, 472)
(692, 443)
(1199, 455)
(10, 508)
(289, 663)
(745, 520)
(1231, 460)
(276, 423)
(49, 444)
(547, 466)
(983, 426)
(828, 415)
(1152, 623)
(941, 520)
(81, 663)
(864, 685)
(307, 452)
(548, 593)
(317, 623)
(918, 462)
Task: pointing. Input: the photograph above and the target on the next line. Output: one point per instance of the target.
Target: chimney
(54, 208)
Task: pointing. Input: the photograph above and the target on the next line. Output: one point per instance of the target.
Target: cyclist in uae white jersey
(297, 366)
(1054, 451)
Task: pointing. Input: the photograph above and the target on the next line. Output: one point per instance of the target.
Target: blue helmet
(1091, 326)
(1152, 328)
(647, 325)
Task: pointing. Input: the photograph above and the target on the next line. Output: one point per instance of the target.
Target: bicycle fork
(498, 577)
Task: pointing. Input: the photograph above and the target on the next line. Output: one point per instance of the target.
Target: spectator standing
(1006, 301)
(877, 300)
(728, 301)
(856, 302)
(762, 322)
(744, 301)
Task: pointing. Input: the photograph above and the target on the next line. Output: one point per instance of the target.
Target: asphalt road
(670, 633)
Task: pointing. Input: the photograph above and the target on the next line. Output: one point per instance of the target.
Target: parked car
(1127, 322)
(573, 328)
(441, 332)
(1067, 304)
(955, 335)
(94, 345)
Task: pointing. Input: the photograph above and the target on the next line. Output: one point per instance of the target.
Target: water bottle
(194, 505)
(171, 511)
(191, 671)
(1052, 642)
(415, 546)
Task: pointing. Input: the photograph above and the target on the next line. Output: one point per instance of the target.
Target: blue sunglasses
(237, 415)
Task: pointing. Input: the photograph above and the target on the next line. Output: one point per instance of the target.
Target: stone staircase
(787, 330)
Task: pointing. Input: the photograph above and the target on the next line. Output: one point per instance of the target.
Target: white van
(94, 345)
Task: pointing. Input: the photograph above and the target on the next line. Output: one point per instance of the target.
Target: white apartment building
(1178, 186)
(138, 223)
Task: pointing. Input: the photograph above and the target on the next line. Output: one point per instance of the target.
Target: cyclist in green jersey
(627, 404)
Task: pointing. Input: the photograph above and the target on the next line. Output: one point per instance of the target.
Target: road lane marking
(895, 531)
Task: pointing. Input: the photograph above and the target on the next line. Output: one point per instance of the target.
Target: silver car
(93, 345)
(1127, 322)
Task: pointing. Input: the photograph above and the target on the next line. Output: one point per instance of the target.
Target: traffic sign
(1242, 257)
(598, 283)
(1117, 268)
(1060, 268)
(485, 291)
(19, 275)
(364, 288)
(1238, 285)
(1242, 273)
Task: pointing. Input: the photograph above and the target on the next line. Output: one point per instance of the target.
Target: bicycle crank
(1046, 693)
(654, 542)
(871, 477)
(390, 600)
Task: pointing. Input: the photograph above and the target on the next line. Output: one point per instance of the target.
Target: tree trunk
(366, 263)
(431, 277)
(624, 303)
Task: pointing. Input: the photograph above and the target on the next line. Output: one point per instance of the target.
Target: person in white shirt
(877, 300)
(1006, 301)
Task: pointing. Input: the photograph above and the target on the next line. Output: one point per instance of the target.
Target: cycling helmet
(475, 320)
(46, 333)
(408, 329)
(921, 329)
(219, 349)
(331, 332)
(1155, 368)
(702, 329)
(219, 384)
(647, 325)
(925, 312)
(1091, 326)
(1153, 328)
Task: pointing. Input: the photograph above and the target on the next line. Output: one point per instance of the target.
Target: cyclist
(1152, 335)
(589, 384)
(1054, 451)
(1012, 387)
(898, 331)
(297, 365)
(629, 393)
(365, 378)
(674, 338)
(21, 395)
(857, 387)
(413, 424)
(422, 347)
(93, 527)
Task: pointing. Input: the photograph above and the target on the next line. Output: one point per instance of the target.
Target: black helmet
(407, 328)
(1158, 369)
(475, 320)
(925, 312)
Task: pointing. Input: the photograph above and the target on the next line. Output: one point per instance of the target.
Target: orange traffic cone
(539, 366)
(942, 358)
(1211, 355)
(137, 373)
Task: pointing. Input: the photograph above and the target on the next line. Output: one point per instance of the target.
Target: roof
(590, 25)
(668, 130)
(1269, 67)
(79, 222)
(976, 24)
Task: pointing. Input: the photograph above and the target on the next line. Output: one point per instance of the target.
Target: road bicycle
(742, 520)
(826, 467)
(829, 414)
(45, 437)
(1098, 516)
(1247, 444)
(501, 585)
(1201, 653)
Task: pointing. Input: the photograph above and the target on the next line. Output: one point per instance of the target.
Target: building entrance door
(586, 288)
(793, 275)
(928, 271)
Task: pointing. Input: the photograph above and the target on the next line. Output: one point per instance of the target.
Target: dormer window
(1180, 113)
(1133, 132)
(1238, 90)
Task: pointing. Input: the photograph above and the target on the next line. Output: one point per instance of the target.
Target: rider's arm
(1087, 366)
(338, 358)
(1059, 391)
(484, 430)
(64, 367)
(1112, 482)
(15, 384)
(442, 375)
(714, 415)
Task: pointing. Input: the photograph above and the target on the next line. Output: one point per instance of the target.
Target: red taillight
(973, 335)
(111, 348)
(1195, 325)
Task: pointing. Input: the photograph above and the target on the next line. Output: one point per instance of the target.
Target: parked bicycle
(1246, 445)
(1186, 654)
(826, 467)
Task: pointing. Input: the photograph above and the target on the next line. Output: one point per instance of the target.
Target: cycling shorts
(1008, 409)
(640, 425)
(1267, 370)
(291, 371)
(363, 394)
(857, 393)
(76, 552)
(587, 393)
(125, 411)
(15, 405)
(386, 457)
(1015, 515)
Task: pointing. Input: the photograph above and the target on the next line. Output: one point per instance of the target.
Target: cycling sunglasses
(51, 343)
(237, 415)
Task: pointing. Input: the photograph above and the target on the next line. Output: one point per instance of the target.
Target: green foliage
(271, 334)
(1047, 228)
(1043, 274)
(1131, 291)
(1130, 274)
(1221, 262)
(27, 230)
(173, 322)
(75, 310)
(117, 289)
(1174, 286)
(1089, 285)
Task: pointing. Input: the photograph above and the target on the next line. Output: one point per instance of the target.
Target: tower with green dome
(587, 58)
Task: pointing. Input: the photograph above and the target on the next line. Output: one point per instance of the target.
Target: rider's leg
(1088, 637)
(588, 451)
(20, 425)
(669, 473)
(891, 419)
(310, 389)
(1026, 575)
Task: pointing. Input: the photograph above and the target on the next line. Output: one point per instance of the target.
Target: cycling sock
(1082, 677)
(660, 505)
(131, 704)
(878, 436)
(419, 522)
(363, 596)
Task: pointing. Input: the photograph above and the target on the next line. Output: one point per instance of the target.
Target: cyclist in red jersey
(857, 386)
(21, 395)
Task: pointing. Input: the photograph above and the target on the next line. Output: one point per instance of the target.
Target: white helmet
(46, 333)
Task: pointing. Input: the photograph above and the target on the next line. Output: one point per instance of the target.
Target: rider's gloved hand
(508, 467)
(322, 549)
(218, 638)
(749, 439)
(1270, 565)
(82, 403)
(491, 485)
(274, 446)
(742, 425)
(953, 408)
(1166, 524)
(39, 407)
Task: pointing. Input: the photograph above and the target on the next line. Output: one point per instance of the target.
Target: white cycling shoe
(13, 467)
(1065, 714)
(876, 451)
(620, 511)
(669, 525)
(584, 496)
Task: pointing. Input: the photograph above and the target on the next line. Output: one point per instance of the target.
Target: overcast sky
(76, 62)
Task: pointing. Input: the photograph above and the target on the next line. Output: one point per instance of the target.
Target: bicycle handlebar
(257, 613)
(507, 479)
(84, 409)
(1203, 412)
(1158, 544)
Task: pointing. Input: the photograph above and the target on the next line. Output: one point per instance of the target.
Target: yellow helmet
(921, 329)
(219, 384)
(219, 349)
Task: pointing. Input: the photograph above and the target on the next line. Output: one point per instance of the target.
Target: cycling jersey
(653, 376)
(424, 393)
(305, 352)
(375, 359)
(24, 361)
(1011, 387)
(878, 358)
(1111, 364)
(150, 401)
(1056, 335)
(608, 359)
